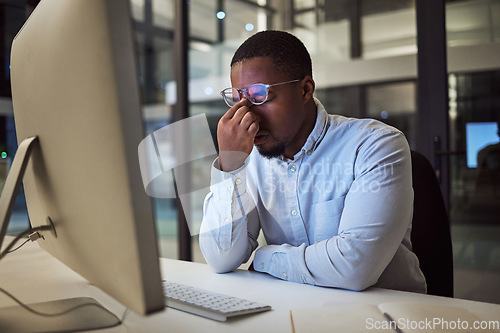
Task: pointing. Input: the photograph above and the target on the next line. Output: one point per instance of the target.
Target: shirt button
(285, 275)
(309, 152)
(293, 168)
(261, 265)
(294, 212)
(238, 181)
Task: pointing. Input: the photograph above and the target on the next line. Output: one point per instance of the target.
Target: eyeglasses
(257, 93)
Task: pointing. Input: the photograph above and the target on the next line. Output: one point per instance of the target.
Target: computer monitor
(75, 89)
(479, 135)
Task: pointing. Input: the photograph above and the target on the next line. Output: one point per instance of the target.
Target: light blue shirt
(337, 215)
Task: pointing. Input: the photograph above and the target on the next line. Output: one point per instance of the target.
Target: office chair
(430, 236)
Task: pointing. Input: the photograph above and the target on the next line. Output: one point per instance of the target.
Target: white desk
(34, 276)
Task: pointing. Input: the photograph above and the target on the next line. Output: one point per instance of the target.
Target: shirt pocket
(326, 218)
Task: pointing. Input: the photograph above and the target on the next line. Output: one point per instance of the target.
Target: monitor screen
(479, 136)
(75, 87)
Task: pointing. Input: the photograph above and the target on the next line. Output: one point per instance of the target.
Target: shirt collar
(318, 131)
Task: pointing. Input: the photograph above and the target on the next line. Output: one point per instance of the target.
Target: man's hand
(236, 133)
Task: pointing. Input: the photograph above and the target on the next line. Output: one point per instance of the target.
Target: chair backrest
(430, 237)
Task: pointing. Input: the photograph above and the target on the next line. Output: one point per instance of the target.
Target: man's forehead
(254, 70)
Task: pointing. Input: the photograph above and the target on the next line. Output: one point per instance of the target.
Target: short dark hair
(287, 52)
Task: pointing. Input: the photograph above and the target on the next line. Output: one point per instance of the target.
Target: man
(331, 194)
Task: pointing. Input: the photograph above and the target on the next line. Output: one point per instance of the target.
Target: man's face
(281, 118)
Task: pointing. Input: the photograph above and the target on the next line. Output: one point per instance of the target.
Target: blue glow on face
(221, 15)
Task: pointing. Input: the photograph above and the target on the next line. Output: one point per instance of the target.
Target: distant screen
(479, 135)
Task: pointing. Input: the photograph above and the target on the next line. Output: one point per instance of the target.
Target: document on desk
(400, 317)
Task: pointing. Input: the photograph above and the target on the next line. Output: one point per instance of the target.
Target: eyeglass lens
(256, 93)
(231, 96)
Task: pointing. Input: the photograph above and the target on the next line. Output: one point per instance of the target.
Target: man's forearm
(225, 239)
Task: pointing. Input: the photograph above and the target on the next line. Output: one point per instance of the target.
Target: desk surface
(33, 275)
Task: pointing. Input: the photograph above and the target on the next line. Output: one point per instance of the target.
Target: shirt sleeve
(376, 216)
(230, 225)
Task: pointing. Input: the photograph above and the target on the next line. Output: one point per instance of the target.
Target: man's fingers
(240, 114)
(248, 119)
(253, 128)
(234, 109)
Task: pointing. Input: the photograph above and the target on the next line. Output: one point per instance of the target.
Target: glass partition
(154, 20)
(388, 28)
(472, 22)
(395, 104)
(475, 180)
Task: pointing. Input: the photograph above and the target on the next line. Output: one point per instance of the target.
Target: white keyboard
(206, 303)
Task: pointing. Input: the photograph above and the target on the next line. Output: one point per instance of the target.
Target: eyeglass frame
(246, 95)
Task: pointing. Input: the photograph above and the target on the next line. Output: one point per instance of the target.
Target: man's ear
(308, 87)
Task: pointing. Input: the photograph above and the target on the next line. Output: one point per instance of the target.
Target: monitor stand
(87, 313)
(13, 183)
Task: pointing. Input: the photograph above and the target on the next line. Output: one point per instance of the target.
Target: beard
(273, 152)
